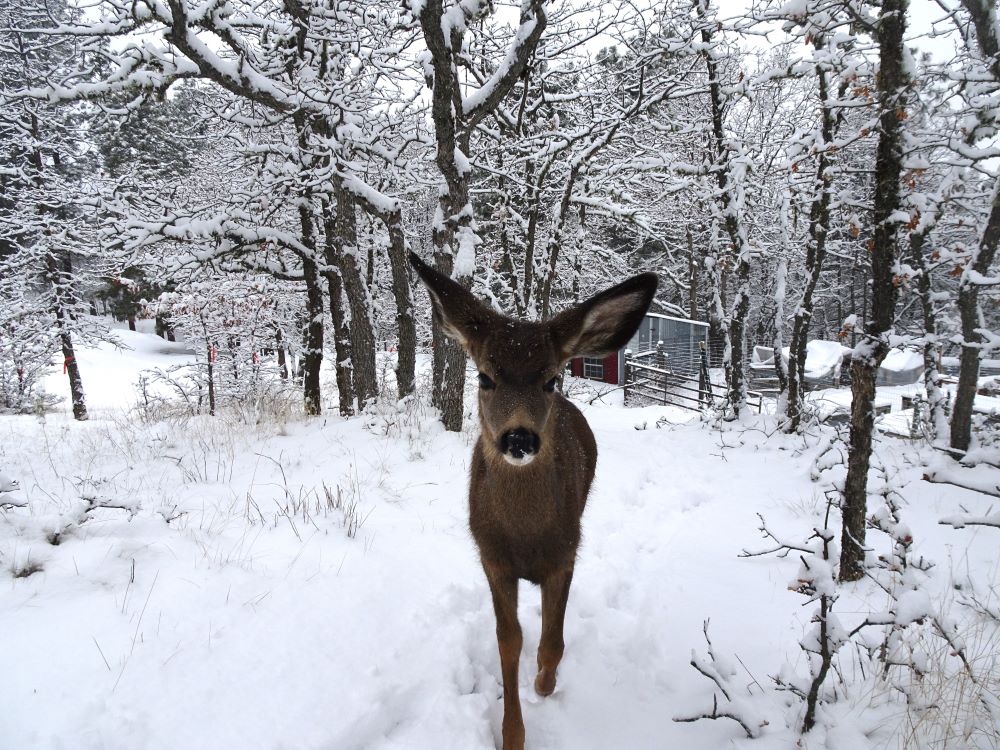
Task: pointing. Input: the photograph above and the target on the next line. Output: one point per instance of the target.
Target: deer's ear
(461, 316)
(604, 323)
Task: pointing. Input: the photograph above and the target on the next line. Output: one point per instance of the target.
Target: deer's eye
(551, 384)
(486, 382)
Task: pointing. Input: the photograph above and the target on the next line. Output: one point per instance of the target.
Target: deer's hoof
(545, 682)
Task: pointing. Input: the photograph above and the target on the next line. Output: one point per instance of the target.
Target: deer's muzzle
(519, 446)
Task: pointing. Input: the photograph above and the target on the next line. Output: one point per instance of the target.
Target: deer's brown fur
(526, 501)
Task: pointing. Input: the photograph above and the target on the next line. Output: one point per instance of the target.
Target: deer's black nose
(519, 443)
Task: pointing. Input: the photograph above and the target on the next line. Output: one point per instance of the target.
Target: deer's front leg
(503, 586)
(555, 594)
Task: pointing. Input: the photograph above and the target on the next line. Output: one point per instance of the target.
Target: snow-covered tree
(980, 94)
(48, 243)
(317, 103)
(893, 82)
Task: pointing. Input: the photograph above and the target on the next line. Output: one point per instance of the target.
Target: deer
(534, 460)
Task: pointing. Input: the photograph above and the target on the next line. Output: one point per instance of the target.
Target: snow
(383, 204)
(762, 356)
(475, 99)
(465, 258)
(462, 162)
(901, 360)
(8, 484)
(912, 606)
(823, 358)
(260, 615)
(953, 362)
(111, 374)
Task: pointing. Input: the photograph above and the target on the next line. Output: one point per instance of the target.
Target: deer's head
(519, 361)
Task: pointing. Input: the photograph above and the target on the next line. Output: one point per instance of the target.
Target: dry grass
(951, 706)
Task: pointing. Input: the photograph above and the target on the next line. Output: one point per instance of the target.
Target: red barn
(605, 369)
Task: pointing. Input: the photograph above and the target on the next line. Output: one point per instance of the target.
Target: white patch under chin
(524, 460)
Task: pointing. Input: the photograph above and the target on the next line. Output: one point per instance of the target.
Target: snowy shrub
(177, 390)
(953, 702)
(234, 327)
(410, 419)
(898, 651)
(25, 356)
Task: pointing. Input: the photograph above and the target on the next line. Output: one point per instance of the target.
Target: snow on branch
(487, 97)
(982, 479)
(779, 546)
(961, 520)
(742, 710)
(230, 236)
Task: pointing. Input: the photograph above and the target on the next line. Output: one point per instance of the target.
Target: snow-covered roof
(901, 360)
(678, 320)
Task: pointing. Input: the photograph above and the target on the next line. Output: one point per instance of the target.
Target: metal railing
(685, 381)
(683, 355)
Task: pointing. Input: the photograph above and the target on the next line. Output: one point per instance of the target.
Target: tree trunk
(693, 268)
(454, 230)
(338, 316)
(737, 371)
(210, 354)
(279, 343)
(781, 274)
(529, 306)
(407, 349)
(312, 355)
(718, 331)
(454, 217)
(356, 293)
(972, 322)
(871, 350)
(449, 365)
(508, 271)
(936, 397)
(554, 245)
(210, 351)
(728, 210)
(72, 368)
(312, 350)
(819, 226)
(58, 277)
(370, 270)
(854, 508)
(391, 217)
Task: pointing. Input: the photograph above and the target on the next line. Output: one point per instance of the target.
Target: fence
(681, 357)
(676, 377)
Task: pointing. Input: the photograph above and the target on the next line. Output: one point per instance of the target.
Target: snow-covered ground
(111, 371)
(312, 583)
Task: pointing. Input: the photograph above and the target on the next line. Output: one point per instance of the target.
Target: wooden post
(661, 362)
(628, 375)
(704, 381)
(211, 379)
